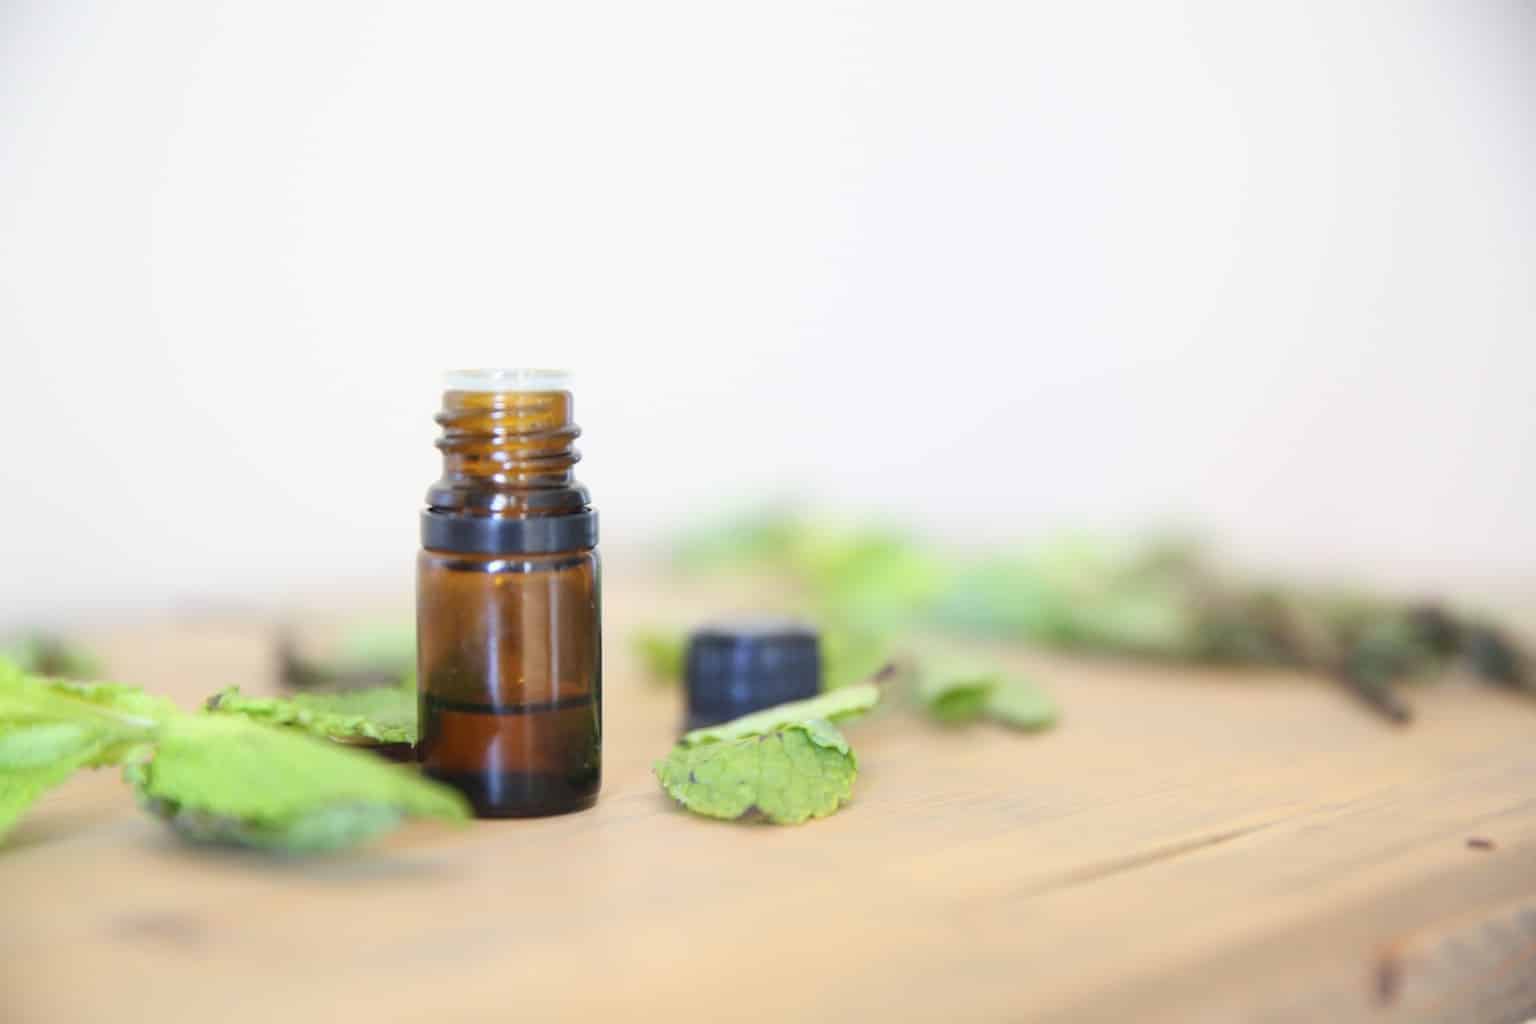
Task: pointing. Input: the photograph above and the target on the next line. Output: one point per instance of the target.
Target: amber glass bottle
(509, 645)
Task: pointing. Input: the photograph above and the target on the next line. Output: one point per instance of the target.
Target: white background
(989, 268)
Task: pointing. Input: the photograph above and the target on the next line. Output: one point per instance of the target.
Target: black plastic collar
(490, 535)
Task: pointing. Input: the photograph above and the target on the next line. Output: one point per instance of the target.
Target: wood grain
(1188, 845)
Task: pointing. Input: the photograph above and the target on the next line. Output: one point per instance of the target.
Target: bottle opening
(520, 379)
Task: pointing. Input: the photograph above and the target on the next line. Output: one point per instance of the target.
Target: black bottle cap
(740, 666)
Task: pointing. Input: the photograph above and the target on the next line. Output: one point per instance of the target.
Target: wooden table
(1188, 845)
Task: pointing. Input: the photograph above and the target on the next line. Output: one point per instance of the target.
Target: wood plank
(1187, 845)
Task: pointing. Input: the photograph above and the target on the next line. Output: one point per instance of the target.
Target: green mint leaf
(21, 786)
(383, 714)
(111, 720)
(227, 779)
(785, 764)
(117, 698)
(1020, 704)
(954, 694)
(788, 775)
(49, 729)
(26, 747)
(833, 706)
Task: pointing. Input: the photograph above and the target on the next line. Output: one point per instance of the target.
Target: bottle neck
(507, 454)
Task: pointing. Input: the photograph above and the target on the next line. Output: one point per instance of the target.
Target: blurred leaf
(1493, 655)
(368, 655)
(1389, 649)
(867, 578)
(1079, 592)
(1006, 596)
(955, 693)
(755, 538)
(112, 720)
(860, 576)
(46, 654)
(227, 779)
(51, 728)
(850, 655)
(1020, 704)
(218, 777)
(21, 787)
(388, 645)
(384, 714)
(324, 829)
(35, 746)
(1157, 598)
(119, 699)
(663, 652)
